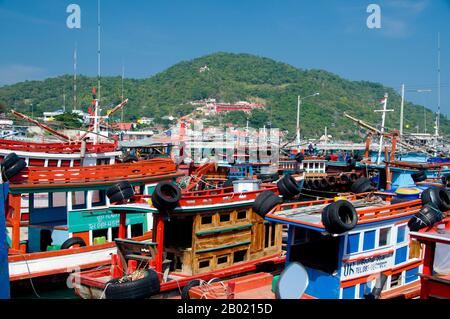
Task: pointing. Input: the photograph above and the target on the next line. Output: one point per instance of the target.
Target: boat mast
(298, 121)
(439, 86)
(402, 105)
(75, 78)
(383, 121)
(123, 75)
(96, 123)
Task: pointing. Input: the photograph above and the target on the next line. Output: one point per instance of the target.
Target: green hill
(230, 78)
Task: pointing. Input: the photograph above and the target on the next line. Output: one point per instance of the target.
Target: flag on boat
(383, 100)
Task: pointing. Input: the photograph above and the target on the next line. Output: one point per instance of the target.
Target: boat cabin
(348, 265)
(69, 208)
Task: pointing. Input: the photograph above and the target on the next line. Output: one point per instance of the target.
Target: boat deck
(369, 207)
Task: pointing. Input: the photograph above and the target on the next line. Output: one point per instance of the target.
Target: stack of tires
(436, 202)
(361, 185)
(288, 187)
(265, 202)
(11, 166)
(120, 192)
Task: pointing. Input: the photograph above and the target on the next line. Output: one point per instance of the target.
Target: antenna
(123, 74)
(75, 78)
(439, 85)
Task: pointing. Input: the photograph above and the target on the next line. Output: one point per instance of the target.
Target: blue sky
(148, 36)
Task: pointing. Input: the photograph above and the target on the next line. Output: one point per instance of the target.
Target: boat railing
(55, 147)
(369, 206)
(114, 172)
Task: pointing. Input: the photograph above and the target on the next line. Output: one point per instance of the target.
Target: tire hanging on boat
(10, 160)
(166, 196)
(339, 217)
(426, 217)
(129, 159)
(446, 180)
(14, 169)
(419, 176)
(124, 288)
(191, 284)
(288, 187)
(120, 192)
(362, 185)
(264, 203)
(72, 242)
(437, 196)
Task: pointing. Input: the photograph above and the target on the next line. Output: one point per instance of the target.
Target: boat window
(99, 236)
(225, 217)
(242, 214)
(272, 234)
(352, 243)
(114, 233)
(45, 239)
(266, 234)
(401, 231)
(222, 259)
(314, 250)
(414, 249)
(98, 198)
(239, 256)
(79, 200)
(206, 219)
(384, 237)
(137, 230)
(396, 280)
(178, 232)
(369, 240)
(59, 199)
(204, 263)
(349, 292)
(40, 200)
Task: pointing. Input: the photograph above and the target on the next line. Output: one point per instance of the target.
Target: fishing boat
(204, 235)
(70, 225)
(358, 246)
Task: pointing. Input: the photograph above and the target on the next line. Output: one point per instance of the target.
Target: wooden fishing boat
(209, 234)
(373, 256)
(70, 225)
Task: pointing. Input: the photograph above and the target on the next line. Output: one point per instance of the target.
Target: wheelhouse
(347, 266)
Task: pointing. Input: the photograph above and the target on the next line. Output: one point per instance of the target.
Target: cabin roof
(370, 210)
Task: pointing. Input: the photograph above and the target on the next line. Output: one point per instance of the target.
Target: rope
(29, 273)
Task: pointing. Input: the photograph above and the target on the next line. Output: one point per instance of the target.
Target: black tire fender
(265, 202)
(362, 185)
(120, 192)
(14, 169)
(426, 217)
(9, 160)
(419, 176)
(437, 196)
(137, 289)
(191, 284)
(166, 196)
(73, 241)
(339, 217)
